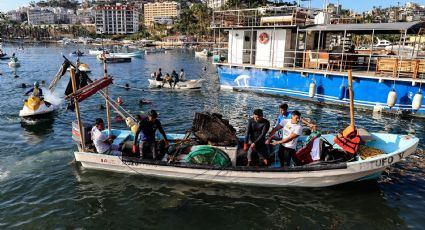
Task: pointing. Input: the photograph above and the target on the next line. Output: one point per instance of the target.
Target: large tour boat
(282, 51)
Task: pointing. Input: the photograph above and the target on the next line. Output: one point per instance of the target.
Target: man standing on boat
(291, 131)
(255, 137)
(182, 75)
(147, 128)
(159, 75)
(283, 114)
(101, 141)
(175, 78)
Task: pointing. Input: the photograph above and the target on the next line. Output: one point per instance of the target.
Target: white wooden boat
(97, 51)
(396, 147)
(126, 55)
(187, 84)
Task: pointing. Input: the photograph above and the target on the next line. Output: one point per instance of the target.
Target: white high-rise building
(38, 16)
(116, 19)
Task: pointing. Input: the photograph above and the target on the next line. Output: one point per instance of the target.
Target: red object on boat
(88, 90)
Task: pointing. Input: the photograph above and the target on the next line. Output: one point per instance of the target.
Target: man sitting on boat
(147, 127)
(101, 141)
(255, 137)
(291, 131)
(159, 75)
(36, 90)
(168, 79)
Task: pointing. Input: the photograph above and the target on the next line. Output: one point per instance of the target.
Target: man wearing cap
(147, 127)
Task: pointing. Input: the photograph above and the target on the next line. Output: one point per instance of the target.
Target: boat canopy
(378, 28)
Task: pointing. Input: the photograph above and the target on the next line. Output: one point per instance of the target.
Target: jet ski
(35, 107)
(14, 62)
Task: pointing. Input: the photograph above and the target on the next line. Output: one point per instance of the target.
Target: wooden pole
(105, 75)
(350, 88)
(77, 108)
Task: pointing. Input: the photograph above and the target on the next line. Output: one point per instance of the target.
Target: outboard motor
(86, 133)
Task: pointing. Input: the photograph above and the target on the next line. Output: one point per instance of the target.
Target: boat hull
(328, 88)
(183, 85)
(41, 112)
(300, 176)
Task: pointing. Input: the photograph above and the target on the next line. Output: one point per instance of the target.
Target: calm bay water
(41, 187)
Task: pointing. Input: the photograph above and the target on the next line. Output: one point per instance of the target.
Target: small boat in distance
(113, 59)
(97, 51)
(126, 55)
(203, 53)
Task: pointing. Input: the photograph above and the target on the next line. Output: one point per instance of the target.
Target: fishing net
(367, 152)
(208, 155)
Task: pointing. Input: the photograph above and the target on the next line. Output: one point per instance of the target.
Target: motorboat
(83, 67)
(396, 147)
(203, 53)
(77, 53)
(14, 63)
(113, 59)
(126, 55)
(97, 51)
(35, 107)
(182, 85)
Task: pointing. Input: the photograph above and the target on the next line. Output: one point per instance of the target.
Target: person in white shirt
(101, 141)
(291, 131)
(182, 75)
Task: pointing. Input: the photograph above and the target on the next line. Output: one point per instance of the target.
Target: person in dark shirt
(255, 137)
(175, 77)
(147, 129)
(159, 75)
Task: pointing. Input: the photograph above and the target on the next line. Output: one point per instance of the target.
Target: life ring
(263, 38)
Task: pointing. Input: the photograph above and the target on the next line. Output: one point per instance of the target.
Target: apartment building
(116, 19)
(40, 16)
(159, 11)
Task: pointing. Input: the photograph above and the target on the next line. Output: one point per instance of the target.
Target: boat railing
(259, 17)
(382, 64)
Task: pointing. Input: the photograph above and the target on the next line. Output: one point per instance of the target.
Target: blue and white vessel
(283, 51)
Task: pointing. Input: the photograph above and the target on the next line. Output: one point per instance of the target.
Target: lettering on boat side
(102, 160)
(387, 161)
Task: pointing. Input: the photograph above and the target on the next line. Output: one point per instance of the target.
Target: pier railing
(258, 17)
(378, 64)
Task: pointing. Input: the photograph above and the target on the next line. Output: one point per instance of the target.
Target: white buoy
(312, 90)
(391, 99)
(417, 101)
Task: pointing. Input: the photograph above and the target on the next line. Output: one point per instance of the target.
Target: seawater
(41, 187)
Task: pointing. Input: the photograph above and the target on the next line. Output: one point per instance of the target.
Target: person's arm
(29, 91)
(274, 130)
(247, 134)
(286, 139)
(161, 130)
(136, 136)
(41, 92)
(307, 123)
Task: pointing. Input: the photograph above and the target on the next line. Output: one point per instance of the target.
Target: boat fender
(341, 92)
(417, 101)
(391, 99)
(312, 90)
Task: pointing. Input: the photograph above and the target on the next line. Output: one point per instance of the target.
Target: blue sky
(357, 5)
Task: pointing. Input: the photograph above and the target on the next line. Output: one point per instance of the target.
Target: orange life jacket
(348, 140)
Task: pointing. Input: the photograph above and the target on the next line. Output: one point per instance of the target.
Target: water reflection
(37, 129)
(151, 199)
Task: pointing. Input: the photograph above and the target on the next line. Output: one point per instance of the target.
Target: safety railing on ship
(264, 16)
(376, 64)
